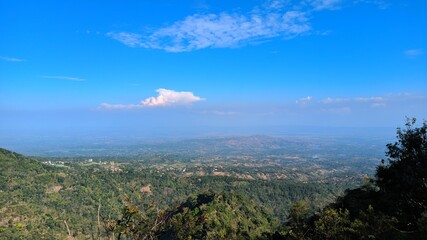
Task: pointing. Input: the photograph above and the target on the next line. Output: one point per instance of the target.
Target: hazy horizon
(47, 143)
(161, 69)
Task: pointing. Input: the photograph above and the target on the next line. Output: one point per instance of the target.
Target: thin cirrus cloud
(372, 101)
(165, 97)
(220, 113)
(10, 59)
(329, 100)
(414, 52)
(128, 39)
(343, 105)
(224, 30)
(339, 110)
(340, 105)
(75, 79)
(381, 4)
(304, 101)
(377, 102)
(274, 19)
(319, 5)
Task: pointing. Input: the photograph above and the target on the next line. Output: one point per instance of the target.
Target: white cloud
(368, 99)
(165, 97)
(129, 39)
(273, 19)
(220, 113)
(76, 79)
(221, 30)
(319, 5)
(390, 99)
(304, 101)
(169, 97)
(381, 4)
(276, 4)
(337, 110)
(284, 19)
(10, 59)
(404, 96)
(378, 105)
(329, 100)
(118, 106)
(414, 52)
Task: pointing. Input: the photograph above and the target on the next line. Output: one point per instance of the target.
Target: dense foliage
(391, 206)
(134, 200)
(55, 201)
(209, 215)
(39, 201)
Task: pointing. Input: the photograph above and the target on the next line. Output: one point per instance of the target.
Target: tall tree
(403, 181)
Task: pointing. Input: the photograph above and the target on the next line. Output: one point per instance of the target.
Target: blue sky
(136, 65)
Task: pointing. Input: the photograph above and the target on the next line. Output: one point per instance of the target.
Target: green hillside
(39, 200)
(53, 199)
(208, 215)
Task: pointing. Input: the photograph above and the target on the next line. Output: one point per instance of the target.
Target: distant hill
(47, 198)
(230, 145)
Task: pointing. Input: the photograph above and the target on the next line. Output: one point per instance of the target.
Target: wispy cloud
(276, 4)
(220, 113)
(76, 79)
(165, 97)
(329, 100)
(374, 106)
(390, 99)
(319, 5)
(381, 4)
(405, 96)
(10, 59)
(345, 105)
(129, 39)
(285, 19)
(413, 52)
(304, 101)
(221, 30)
(338, 110)
(378, 104)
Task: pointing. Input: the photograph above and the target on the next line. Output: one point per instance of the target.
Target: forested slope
(393, 205)
(90, 200)
(39, 200)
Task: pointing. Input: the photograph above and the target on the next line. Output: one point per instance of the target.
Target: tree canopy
(393, 205)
